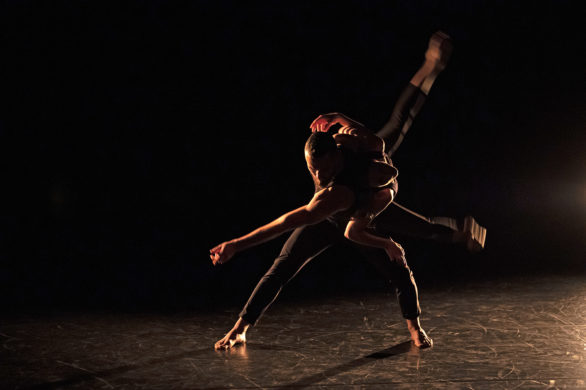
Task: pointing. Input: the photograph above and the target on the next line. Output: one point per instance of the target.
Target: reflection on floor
(525, 333)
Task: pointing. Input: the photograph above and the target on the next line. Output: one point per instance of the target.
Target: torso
(353, 176)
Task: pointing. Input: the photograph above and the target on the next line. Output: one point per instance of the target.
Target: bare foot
(472, 235)
(420, 338)
(237, 335)
(436, 58)
(439, 50)
(231, 339)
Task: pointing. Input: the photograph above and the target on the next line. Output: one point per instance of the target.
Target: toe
(422, 340)
(426, 343)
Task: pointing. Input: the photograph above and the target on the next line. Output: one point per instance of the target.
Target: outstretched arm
(323, 204)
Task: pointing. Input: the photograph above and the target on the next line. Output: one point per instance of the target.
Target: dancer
(317, 224)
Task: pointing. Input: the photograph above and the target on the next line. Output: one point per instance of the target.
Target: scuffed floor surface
(521, 334)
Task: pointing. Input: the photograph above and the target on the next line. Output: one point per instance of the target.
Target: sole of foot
(437, 55)
(475, 234)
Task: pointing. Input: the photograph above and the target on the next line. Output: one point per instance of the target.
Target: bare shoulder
(334, 192)
(333, 198)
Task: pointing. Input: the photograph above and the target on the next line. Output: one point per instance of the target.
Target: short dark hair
(319, 144)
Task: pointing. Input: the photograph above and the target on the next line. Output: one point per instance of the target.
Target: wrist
(343, 119)
(237, 244)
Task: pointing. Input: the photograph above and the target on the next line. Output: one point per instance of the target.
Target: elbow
(313, 218)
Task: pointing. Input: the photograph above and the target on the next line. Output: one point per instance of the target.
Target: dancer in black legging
(319, 224)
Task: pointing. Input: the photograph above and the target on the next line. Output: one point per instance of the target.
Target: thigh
(398, 219)
(304, 244)
(408, 105)
(379, 259)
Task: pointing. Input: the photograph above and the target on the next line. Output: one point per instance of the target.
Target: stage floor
(526, 333)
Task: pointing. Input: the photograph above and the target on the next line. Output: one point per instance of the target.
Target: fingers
(312, 125)
(322, 123)
(347, 130)
(317, 124)
(216, 254)
(215, 258)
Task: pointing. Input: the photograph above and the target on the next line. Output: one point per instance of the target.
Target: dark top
(354, 176)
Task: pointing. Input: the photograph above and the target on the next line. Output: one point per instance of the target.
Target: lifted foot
(436, 58)
(475, 235)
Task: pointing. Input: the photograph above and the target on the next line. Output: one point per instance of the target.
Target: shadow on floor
(398, 349)
(99, 375)
(395, 350)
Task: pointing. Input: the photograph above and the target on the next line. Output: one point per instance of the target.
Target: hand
(222, 253)
(396, 252)
(349, 130)
(323, 122)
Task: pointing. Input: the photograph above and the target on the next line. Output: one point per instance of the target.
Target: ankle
(241, 326)
(413, 325)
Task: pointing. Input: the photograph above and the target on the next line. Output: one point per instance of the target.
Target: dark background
(137, 135)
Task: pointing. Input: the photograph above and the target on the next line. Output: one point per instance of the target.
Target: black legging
(406, 109)
(307, 242)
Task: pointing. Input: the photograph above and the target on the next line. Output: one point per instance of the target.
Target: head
(322, 156)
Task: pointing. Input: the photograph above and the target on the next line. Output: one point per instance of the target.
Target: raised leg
(413, 96)
(399, 219)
